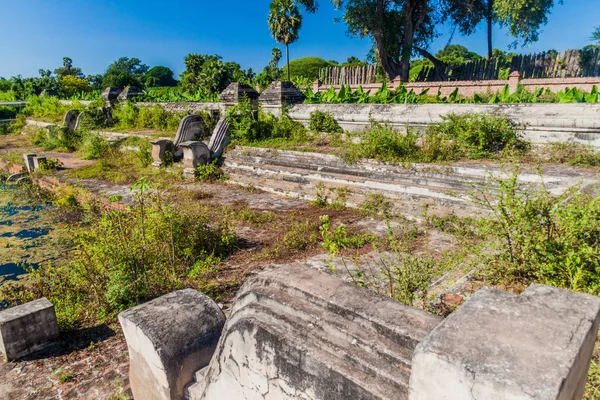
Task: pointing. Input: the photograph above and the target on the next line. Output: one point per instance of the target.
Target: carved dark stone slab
(281, 94)
(110, 94)
(220, 138)
(130, 92)
(236, 91)
(70, 121)
(191, 128)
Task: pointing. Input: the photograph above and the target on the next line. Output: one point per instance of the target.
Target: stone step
(412, 189)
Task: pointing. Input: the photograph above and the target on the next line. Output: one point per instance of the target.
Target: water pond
(26, 232)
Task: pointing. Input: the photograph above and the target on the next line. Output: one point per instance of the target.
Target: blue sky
(38, 33)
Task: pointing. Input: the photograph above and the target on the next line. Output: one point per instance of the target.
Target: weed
(323, 122)
(376, 204)
(321, 197)
(302, 235)
(210, 172)
(337, 239)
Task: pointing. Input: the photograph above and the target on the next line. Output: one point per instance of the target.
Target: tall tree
(159, 76)
(285, 21)
(125, 72)
(596, 36)
(400, 28)
(68, 69)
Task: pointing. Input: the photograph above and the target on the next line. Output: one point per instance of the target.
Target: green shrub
(57, 138)
(93, 146)
(385, 143)
(210, 172)
(127, 257)
(323, 122)
(50, 164)
(471, 135)
(543, 238)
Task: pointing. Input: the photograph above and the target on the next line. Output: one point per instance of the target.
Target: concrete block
(29, 161)
(297, 333)
(169, 338)
(501, 346)
(27, 328)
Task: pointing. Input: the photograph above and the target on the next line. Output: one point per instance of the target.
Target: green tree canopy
(353, 62)
(596, 36)
(285, 22)
(159, 76)
(68, 69)
(400, 28)
(211, 74)
(125, 72)
(307, 67)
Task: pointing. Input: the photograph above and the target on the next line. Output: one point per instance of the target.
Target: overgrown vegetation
(401, 95)
(125, 257)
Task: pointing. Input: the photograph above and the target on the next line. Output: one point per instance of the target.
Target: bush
(127, 257)
(210, 172)
(472, 136)
(385, 143)
(323, 122)
(130, 116)
(542, 238)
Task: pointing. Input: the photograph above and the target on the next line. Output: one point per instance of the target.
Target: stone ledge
(501, 346)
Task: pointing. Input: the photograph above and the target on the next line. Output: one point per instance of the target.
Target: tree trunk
(414, 14)
(287, 56)
(390, 67)
(439, 66)
(490, 23)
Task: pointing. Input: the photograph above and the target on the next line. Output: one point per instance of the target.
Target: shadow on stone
(71, 342)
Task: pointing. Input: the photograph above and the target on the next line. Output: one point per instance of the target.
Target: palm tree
(285, 21)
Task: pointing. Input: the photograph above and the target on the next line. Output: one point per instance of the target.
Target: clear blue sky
(38, 33)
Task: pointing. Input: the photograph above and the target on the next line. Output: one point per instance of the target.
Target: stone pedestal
(194, 154)
(160, 148)
(129, 93)
(501, 346)
(236, 92)
(27, 328)
(170, 338)
(279, 95)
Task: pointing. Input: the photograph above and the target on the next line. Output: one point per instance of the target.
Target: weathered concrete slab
(27, 328)
(169, 338)
(543, 122)
(297, 333)
(413, 189)
(500, 346)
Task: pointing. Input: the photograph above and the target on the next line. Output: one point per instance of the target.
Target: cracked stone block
(502, 346)
(27, 328)
(298, 333)
(169, 338)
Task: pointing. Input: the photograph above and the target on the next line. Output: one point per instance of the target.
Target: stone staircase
(414, 188)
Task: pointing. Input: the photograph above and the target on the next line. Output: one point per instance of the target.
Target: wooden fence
(568, 64)
(360, 75)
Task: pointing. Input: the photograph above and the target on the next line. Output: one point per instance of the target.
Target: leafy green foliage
(126, 257)
(542, 238)
(177, 94)
(210, 172)
(211, 75)
(307, 68)
(125, 72)
(472, 136)
(159, 76)
(130, 116)
(323, 122)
